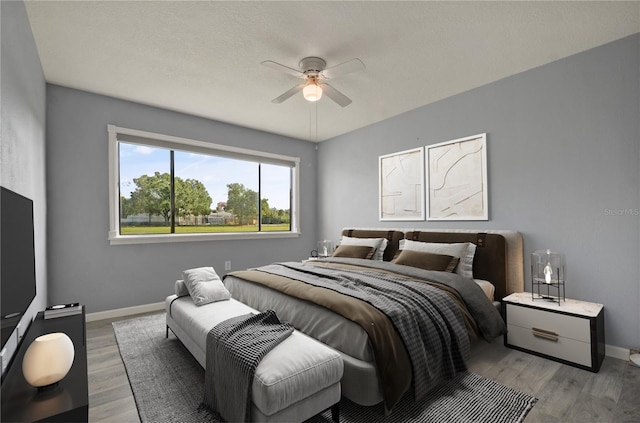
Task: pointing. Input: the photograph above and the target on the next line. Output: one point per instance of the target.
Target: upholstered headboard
(392, 236)
(498, 257)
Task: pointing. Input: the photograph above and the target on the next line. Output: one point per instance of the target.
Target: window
(166, 189)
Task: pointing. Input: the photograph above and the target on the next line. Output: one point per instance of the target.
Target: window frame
(184, 144)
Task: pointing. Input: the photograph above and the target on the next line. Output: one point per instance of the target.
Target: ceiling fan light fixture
(314, 72)
(312, 92)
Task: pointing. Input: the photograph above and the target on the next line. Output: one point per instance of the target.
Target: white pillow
(181, 288)
(204, 285)
(463, 250)
(379, 243)
(487, 287)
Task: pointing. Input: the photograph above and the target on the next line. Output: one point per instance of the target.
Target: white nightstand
(571, 332)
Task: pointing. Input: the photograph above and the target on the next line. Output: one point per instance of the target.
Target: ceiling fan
(315, 74)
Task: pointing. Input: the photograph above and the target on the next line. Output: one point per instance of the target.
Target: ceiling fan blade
(335, 95)
(344, 68)
(282, 68)
(288, 93)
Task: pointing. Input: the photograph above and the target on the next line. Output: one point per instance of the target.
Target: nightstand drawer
(559, 347)
(562, 325)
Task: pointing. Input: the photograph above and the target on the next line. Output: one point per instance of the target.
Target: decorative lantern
(547, 276)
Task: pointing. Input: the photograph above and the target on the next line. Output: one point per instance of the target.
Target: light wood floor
(565, 394)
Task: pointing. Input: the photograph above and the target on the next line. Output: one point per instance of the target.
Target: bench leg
(166, 335)
(335, 412)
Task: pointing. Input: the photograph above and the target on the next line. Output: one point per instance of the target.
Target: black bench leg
(335, 412)
(166, 335)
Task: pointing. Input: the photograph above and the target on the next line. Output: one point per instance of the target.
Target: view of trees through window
(206, 194)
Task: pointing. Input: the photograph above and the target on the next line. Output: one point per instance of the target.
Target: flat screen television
(17, 259)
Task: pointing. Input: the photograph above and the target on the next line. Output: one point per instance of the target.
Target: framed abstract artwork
(401, 182)
(457, 179)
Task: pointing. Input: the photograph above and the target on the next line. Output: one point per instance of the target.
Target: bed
(375, 367)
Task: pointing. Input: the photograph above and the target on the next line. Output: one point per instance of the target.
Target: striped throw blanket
(234, 350)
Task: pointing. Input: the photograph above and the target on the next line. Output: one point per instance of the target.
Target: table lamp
(325, 248)
(548, 275)
(48, 360)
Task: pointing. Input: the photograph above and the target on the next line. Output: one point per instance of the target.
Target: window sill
(115, 239)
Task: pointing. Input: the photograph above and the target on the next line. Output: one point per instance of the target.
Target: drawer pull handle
(545, 334)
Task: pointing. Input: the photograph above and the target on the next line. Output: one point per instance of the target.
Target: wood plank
(628, 408)
(104, 357)
(114, 393)
(590, 408)
(561, 393)
(106, 379)
(537, 416)
(534, 378)
(607, 383)
(121, 410)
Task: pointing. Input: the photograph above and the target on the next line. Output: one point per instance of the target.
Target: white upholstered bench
(296, 380)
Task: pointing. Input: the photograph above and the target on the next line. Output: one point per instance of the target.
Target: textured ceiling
(203, 57)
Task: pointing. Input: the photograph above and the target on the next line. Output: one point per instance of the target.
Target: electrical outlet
(227, 265)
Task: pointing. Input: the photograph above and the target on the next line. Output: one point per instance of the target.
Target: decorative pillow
(204, 285)
(379, 243)
(354, 251)
(427, 261)
(181, 288)
(463, 250)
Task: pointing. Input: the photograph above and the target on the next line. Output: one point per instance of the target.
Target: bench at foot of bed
(296, 380)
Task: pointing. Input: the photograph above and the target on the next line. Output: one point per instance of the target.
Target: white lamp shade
(312, 92)
(48, 359)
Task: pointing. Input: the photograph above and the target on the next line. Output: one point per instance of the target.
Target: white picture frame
(401, 185)
(457, 179)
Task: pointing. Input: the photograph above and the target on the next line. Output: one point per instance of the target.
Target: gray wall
(563, 144)
(83, 266)
(22, 152)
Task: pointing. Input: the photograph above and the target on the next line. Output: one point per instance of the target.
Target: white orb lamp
(48, 360)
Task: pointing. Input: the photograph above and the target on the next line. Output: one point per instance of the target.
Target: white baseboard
(616, 352)
(123, 312)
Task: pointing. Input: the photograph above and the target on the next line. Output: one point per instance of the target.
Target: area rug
(167, 384)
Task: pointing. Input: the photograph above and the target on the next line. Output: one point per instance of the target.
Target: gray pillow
(465, 251)
(204, 285)
(181, 288)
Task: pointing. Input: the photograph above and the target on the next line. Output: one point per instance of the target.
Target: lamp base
(548, 298)
(47, 388)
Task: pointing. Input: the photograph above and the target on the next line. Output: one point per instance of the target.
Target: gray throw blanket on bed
(234, 350)
(426, 319)
(484, 312)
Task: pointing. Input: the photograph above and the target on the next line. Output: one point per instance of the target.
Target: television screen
(17, 259)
